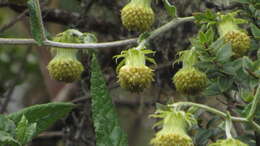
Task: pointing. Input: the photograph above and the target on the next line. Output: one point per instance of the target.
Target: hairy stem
(155, 33)
(217, 112)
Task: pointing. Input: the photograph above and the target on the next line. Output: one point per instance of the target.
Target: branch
(217, 112)
(12, 41)
(155, 33)
(173, 23)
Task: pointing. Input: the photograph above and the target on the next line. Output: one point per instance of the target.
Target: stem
(252, 112)
(163, 29)
(228, 124)
(12, 41)
(217, 112)
(155, 33)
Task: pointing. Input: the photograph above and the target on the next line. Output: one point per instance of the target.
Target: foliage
(103, 111)
(232, 76)
(17, 129)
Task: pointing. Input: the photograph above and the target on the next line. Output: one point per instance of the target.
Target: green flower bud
(174, 129)
(190, 81)
(238, 38)
(228, 142)
(65, 66)
(138, 15)
(133, 74)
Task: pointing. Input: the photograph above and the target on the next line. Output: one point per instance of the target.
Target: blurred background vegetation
(24, 80)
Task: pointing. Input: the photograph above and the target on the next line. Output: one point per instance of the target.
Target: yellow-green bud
(228, 29)
(190, 81)
(239, 41)
(65, 66)
(133, 74)
(135, 79)
(228, 142)
(138, 15)
(174, 129)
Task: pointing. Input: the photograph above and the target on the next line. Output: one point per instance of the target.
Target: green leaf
(212, 90)
(25, 131)
(7, 140)
(171, 9)
(7, 125)
(255, 31)
(35, 21)
(107, 128)
(224, 53)
(225, 83)
(202, 137)
(44, 115)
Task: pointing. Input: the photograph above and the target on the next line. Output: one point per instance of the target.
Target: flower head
(174, 128)
(138, 15)
(133, 74)
(231, 33)
(65, 66)
(228, 142)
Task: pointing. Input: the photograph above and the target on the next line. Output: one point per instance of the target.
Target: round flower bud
(65, 66)
(65, 69)
(190, 81)
(174, 129)
(228, 142)
(135, 79)
(133, 74)
(172, 139)
(231, 33)
(239, 41)
(138, 15)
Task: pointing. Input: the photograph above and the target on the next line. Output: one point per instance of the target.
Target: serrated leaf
(35, 22)
(106, 123)
(212, 90)
(44, 115)
(202, 37)
(224, 83)
(202, 136)
(7, 140)
(255, 31)
(25, 131)
(217, 44)
(171, 9)
(224, 53)
(247, 63)
(210, 35)
(7, 125)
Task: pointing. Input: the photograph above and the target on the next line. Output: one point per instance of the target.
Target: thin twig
(156, 32)
(11, 41)
(219, 113)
